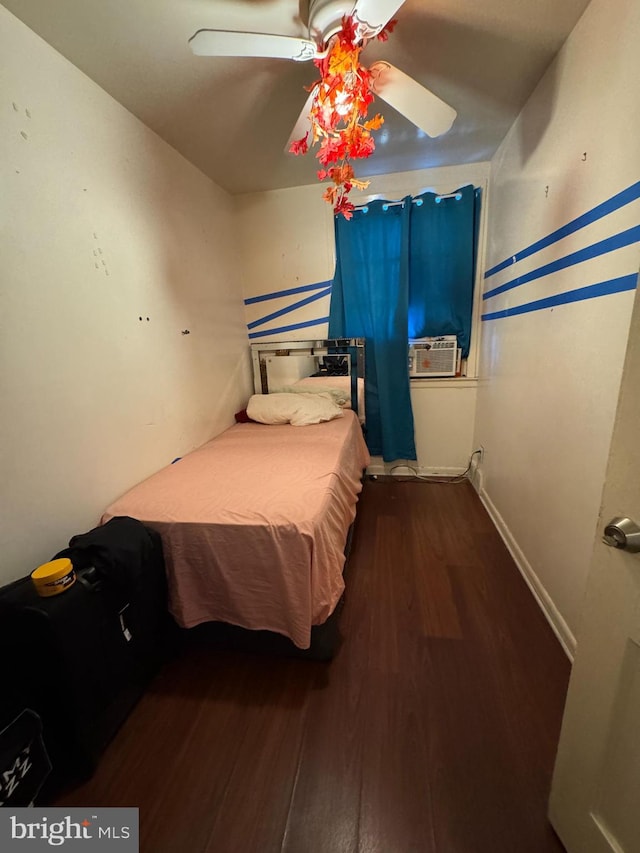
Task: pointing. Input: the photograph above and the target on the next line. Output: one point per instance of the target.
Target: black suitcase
(24, 761)
(84, 657)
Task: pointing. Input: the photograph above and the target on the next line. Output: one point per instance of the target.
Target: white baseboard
(476, 479)
(551, 612)
(400, 470)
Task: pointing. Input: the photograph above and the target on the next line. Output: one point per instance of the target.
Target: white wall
(102, 224)
(444, 415)
(288, 242)
(550, 378)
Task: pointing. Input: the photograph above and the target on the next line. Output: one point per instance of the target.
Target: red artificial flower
(338, 115)
(347, 34)
(300, 146)
(332, 151)
(389, 27)
(344, 206)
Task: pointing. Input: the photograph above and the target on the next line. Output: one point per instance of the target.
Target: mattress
(254, 524)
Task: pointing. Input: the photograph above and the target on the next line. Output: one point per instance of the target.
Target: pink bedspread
(254, 523)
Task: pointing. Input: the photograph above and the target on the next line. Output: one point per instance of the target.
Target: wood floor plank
(438, 610)
(396, 795)
(252, 814)
(433, 730)
(325, 803)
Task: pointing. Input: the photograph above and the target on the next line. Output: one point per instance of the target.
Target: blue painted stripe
(278, 293)
(618, 241)
(289, 308)
(265, 332)
(591, 291)
(598, 212)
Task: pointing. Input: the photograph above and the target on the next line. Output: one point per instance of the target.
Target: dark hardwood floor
(433, 730)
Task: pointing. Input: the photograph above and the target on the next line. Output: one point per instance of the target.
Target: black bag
(84, 657)
(24, 762)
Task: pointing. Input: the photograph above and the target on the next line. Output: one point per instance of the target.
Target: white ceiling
(232, 117)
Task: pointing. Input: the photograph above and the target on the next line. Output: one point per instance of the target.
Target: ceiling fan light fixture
(335, 114)
(338, 117)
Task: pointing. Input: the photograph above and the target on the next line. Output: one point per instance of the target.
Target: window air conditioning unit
(433, 357)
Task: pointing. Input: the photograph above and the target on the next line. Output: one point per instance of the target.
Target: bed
(254, 524)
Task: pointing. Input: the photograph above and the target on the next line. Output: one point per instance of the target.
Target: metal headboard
(283, 362)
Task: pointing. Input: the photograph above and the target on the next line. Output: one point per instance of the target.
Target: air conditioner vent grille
(433, 357)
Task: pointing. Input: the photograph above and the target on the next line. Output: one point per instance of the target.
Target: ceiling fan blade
(229, 43)
(413, 101)
(303, 124)
(372, 15)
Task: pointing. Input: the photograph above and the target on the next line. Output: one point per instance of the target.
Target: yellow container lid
(53, 577)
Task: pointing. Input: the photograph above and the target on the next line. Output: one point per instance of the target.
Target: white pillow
(339, 397)
(296, 409)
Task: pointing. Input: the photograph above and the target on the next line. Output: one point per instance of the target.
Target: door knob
(622, 533)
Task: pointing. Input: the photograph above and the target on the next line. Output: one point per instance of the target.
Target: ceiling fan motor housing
(325, 18)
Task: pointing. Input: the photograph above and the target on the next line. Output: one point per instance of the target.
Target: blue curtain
(370, 299)
(442, 255)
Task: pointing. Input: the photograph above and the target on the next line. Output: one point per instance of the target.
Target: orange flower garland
(338, 116)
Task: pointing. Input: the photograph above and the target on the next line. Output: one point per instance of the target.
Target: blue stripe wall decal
(625, 238)
(598, 212)
(289, 308)
(591, 291)
(292, 328)
(292, 291)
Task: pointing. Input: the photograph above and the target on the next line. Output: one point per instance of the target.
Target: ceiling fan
(420, 106)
